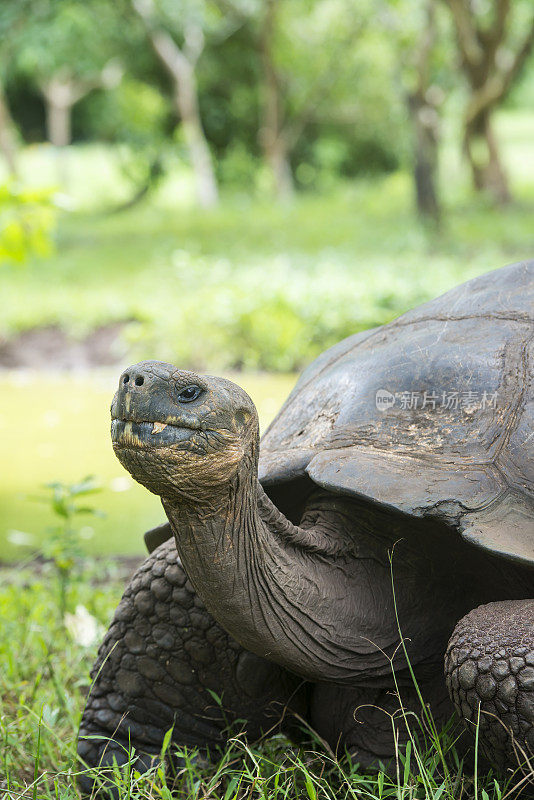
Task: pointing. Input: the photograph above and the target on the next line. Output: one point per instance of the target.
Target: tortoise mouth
(150, 433)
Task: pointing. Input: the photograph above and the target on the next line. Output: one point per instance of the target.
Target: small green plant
(27, 219)
(62, 546)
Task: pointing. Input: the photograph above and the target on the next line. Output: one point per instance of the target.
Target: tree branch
(171, 55)
(65, 90)
(491, 38)
(497, 86)
(193, 42)
(498, 29)
(232, 8)
(466, 32)
(520, 59)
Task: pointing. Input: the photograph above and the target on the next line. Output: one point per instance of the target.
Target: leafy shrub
(274, 315)
(26, 221)
(133, 112)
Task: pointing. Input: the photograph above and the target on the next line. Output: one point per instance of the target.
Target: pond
(56, 427)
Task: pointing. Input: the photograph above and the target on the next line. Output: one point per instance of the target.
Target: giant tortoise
(391, 531)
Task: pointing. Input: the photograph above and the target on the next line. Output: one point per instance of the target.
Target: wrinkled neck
(242, 556)
(306, 539)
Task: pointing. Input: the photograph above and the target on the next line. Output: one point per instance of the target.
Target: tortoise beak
(143, 412)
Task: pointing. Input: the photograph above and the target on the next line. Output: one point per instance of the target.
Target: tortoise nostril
(139, 380)
(126, 378)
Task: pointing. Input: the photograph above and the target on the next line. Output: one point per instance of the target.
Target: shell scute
(431, 415)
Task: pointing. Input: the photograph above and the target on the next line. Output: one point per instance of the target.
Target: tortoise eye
(189, 394)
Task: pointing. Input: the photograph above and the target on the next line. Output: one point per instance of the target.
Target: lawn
(44, 677)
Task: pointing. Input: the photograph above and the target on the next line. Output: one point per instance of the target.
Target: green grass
(57, 427)
(44, 676)
(253, 284)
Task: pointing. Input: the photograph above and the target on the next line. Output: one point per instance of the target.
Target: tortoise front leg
(489, 666)
(161, 656)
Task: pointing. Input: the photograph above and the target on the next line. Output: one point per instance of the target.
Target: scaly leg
(161, 655)
(490, 666)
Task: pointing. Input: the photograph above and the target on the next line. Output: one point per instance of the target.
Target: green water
(56, 427)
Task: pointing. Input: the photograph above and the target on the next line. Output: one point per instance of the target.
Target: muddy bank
(102, 568)
(51, 347)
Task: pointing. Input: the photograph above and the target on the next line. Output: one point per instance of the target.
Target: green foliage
(255, 318)
(67, 36)
(62, 545)
(137, 115)
(322, 53)
(237, 168)
(252, 284)
(343, 69)
(14, 16)
(27, 218)
(43, 679)
(134, 112)
(230, 98)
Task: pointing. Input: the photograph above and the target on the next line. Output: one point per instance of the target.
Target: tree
(274, 136)
(13, 14)
(262, 17)
(309, 67)
(421, 58)
(425, 120)
(494, 41)
(180, 60)
(63, 90)
(68, 50)
(135, 114)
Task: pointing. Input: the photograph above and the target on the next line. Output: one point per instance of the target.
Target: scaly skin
(161, 655)
(489, 668)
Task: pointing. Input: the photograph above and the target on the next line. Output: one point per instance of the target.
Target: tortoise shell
(431, 415)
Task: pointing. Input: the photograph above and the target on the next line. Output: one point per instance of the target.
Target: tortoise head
(181, 434)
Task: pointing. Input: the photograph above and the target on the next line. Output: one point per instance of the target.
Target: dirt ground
(49, 345)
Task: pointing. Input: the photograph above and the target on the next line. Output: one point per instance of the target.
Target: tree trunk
(7, 138)
(281, 168)
(180, 64)
(422, 102)
(490, 79)
(58, 122)
(277, 158)
(483, 155)
(272, 138)
(425, 165)
(60, 94)
(186, 101)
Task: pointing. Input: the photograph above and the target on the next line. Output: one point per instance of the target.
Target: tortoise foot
(489, 668)
(161, 666)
